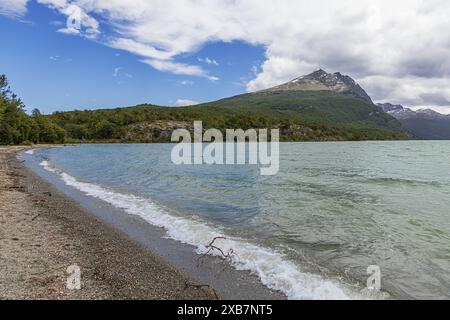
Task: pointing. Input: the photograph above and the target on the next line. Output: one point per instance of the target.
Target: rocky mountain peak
(389, 107)
(322, 80)
(318, 74)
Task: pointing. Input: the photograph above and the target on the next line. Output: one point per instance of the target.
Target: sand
(42, 233)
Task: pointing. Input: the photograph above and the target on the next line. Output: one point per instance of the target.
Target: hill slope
(319, 106)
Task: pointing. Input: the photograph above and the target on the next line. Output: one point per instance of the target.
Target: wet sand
(43, 232)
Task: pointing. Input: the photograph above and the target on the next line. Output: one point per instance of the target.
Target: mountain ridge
(423, 123)
(403, 112)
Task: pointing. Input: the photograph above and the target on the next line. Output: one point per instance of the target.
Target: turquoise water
(331, 211)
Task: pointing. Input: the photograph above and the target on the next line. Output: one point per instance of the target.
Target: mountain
(391, 108)
(320, 98)
(320, 80)
(316, 107)
(423, 124)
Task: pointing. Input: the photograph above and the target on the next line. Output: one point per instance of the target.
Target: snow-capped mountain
(423, 123)
(400, 112)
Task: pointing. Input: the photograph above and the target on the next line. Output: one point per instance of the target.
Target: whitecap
(273, 269)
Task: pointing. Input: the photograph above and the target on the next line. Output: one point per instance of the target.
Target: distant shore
(43, 233)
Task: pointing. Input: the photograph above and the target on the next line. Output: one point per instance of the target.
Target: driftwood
(211, 247)
(228, 256)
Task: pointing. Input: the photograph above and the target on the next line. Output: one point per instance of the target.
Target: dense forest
(301, 116)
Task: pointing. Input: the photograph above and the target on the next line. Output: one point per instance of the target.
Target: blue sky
(66, 54)
(53, 71)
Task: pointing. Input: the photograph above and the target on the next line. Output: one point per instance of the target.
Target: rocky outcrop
(155, 132)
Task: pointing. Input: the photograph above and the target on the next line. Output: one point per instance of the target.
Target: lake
(312, 230)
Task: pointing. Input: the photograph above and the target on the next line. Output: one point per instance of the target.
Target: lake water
(312, 230)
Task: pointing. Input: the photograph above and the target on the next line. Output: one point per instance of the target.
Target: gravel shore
(42, 233)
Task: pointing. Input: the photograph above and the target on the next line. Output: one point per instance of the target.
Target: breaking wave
(273, 269)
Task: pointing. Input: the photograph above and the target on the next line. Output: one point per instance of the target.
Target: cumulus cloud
(185, 102)
(399, 49)
(13, 8)
(413, 91)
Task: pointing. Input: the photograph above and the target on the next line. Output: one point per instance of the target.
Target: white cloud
(185, 102)
(140, 49)
(411, 91)
(179, 68)
(443, 110)
(58, 58)
(404, 43)
(79, 22)
(208, 61)
(72, 31)
(116, 71)
(13, 8)
(254, 70)
(186, 82)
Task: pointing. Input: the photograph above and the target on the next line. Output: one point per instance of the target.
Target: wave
(410, 182)
(274, 270)
(47, 166)
(30, 152)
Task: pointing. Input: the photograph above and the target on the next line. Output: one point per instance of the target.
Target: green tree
(105, 129)
(15, 125)
(77, 131)
(36, 113)
(50, 132)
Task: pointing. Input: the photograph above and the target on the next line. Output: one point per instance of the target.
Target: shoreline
(43, 233)
(121, 256)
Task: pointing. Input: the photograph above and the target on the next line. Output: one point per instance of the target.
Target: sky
(87, 54)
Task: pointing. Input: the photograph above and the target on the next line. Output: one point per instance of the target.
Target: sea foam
(274, 270)
(47, 166)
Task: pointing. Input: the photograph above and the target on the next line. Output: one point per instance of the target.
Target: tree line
(17, 127)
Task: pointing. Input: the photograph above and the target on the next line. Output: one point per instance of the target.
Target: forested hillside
(301, 116)
(316, 115)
